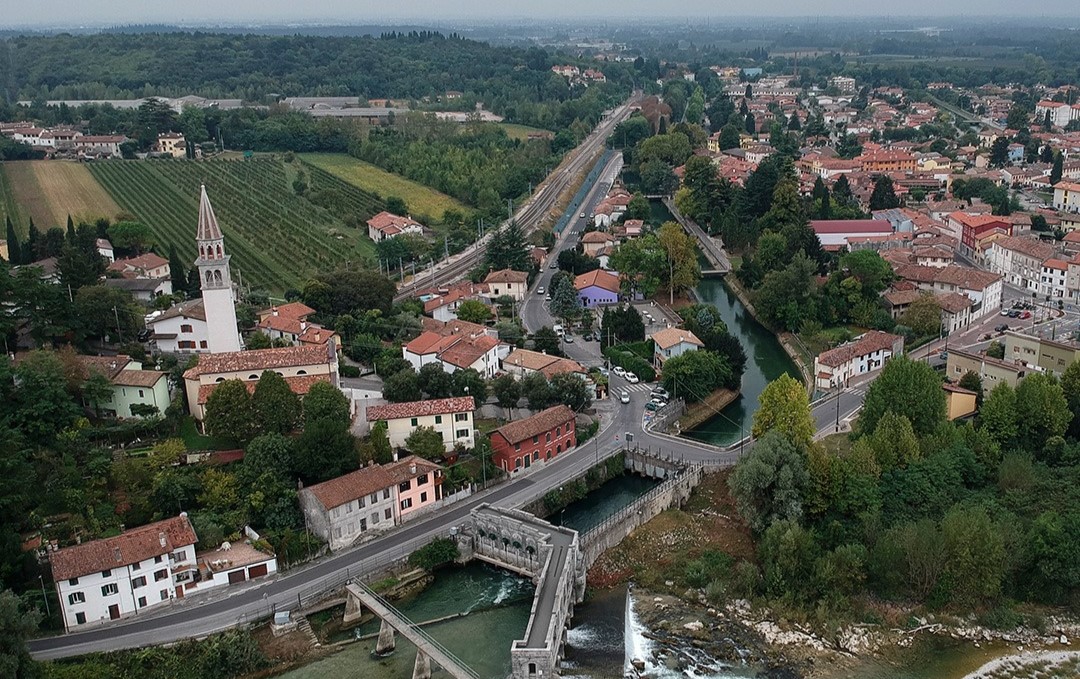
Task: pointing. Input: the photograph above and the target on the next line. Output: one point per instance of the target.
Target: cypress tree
(751, 127)
(1058, 169)
(177, 270)
(70, 231)
(14, 252)
(32, 244)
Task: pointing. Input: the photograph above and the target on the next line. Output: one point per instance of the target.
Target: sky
(117, 12)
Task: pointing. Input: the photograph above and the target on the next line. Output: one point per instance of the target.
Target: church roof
(208, 226)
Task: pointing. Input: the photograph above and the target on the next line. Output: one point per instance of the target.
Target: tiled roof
(597, 237)
(873, 340)
(467, 351)
(669, 337)
(259, 359)
(953, 302)
(137, 378)
(144, 262)
(441, 406)
(404, 469)
(297, 310)
(137, 544)
(1059, 264)
(542, 422)
(109, 366)
(975, 221)
(351, 486)
(903, 297)
(389, 223)
(1067, 186)
(540, 362)
(428, 343)
(866, 226)
(598, 278)
(1026, 246)
(299, 385)
(507, 276)
(208, 226)
(191, 309)
(954, 274)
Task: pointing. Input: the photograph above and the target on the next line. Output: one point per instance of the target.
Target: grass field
(422, 200)
(277, 238)
(522, 132)
(8, 206)
(50, 190)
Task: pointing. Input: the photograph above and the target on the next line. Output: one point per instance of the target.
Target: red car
(1026, 315)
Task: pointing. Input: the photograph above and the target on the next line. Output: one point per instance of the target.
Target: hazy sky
(76, 12)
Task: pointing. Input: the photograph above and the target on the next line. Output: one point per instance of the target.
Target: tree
(276, 407)
(883, 196)
(768, 483)
(972, 382)
(787, 297)
(508, 249)
(974, 555)
(1057, 170)
(402, 387)
(641, 262)
(426, 443)
(267, 454)
(41, 406)
(507, 390)
(324, 401)
(750, 124)
(572, 391)
(1042, 411)
(683, 271)
(177, 270)
(537, 390)
(96, 390)
(473, 311)
(325, 451)
(380, 443)
(657, 178)
(621, 324)
(785, 408)
(565, 303)
(230, 413)
(923, 316)
(1017, 118)
(694, 375)
(133, 237)
(908, 387)
(894, 442)
(16, 627)
(469, 382)
(14, 251)
(434, 381)
(547, 341)
(730, 137)
(997, 416)
(106, 311)
(788, 554)
(353, 291)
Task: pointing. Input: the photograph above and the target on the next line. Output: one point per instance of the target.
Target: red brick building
(539, 438)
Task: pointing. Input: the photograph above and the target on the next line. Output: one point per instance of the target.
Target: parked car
(540, 290)
(582, 215)
(1004, 312)
(1001, 328)
(603, 371)
(661, 392)
(651, 406)
(568, 338)
(553, 265)
(145, 334)
(1014, 314)
(660, 403)
(632, 378)
(618, 370)
(624, 398)
(1026, 315)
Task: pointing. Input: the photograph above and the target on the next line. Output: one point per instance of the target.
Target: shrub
(438, 552)
(349, 370)
(632, 362)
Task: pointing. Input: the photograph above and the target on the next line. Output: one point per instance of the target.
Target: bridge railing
(619, 515)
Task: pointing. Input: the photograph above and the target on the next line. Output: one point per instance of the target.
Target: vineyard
(276, 237)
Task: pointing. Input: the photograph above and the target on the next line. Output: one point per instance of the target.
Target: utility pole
(401, 269)
(119, 332)
(446, 247)
(837, 407)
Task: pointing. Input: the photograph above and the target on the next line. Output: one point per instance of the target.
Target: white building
(1019, 260)
(1053, 282)
(387, 225)
(217, 293)
(983, 287)
(482, 353)
(507, 282)
(864, 355)
(181, 328)
(1067, 196)
(1060, 113)
(671, 342)
(452, 418)
(131, 385)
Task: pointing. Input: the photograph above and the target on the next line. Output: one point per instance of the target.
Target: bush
(438, 552)
(632, 362)
(349, 370)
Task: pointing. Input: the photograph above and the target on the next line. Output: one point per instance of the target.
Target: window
(157, 559)
(413, 422)
(107, 573)
(164, 594)
(80, 618)
(547, 438)
(109, 589)
(185, 328)
(183, 576)
(388, 514)
(517, 463)
(386, 495)
(558, 431)
(141, 393)
(536, 455)
(404, 486)
(462, 433)
(517, 446)
(179, 555)
(138, 582)
(536, 439)
(373, 498)
(423, 497)
(421, 480)
(337, 532)
(161, 575)
(438, 419)
(406, 503)
(136, 566)
(461, 417)
(76, 598)
(375, 519)
(73, 581)
(142, 602)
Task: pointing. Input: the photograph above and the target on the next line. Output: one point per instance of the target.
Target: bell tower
(217, 293)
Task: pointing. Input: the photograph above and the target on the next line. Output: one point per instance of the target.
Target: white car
(631, 378)
(624, 398)
(540, 290)
(619, 371)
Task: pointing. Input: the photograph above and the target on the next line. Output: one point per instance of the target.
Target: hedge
(631, 362)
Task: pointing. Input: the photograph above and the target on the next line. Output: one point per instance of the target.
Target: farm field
(276, 237)
(422, 200)
(522, 132)
(48, 191)
(8, 207)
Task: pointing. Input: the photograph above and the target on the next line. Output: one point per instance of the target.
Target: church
(301, 366)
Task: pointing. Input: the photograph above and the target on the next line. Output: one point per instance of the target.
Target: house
(301, 367)
(983, 287)
(1053, 282)
(452, 418)
(181, 328)
(864, 355)
(481, 352)
(147, 265)
(104, 248)
(537, 439)
(972, 230)
(107, 146)
(955, 311)
(364, 503)
(507, 282)
(1019, 260)
(597, 288)
(131, 386)
(594, 242)
(171, 144)
(522, 362)
(992, 371)
(289, 322)
(1067, 196)
(882, 161)
(959, 402)
(387, 225)
(834, 233)
(443, 306)
(146, 290)
(1040, 353)
(113, 577)
(671, 342)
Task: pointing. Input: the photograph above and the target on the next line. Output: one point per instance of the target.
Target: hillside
(276, 237)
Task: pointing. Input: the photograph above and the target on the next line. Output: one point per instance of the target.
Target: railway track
(532, 213)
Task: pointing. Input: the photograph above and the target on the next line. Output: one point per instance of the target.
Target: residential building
(113, 577)
(131, 386)
(842, 83)
(959, 402)
(971, 230)
(181, 328)
(1067, 196)
(834, 233)
(146, 265)
(1019, 260)
(671, 342)
(983, 287)
(365, 503)
(452, 418)
(881, 161)
(1040, 353)
(991, 371)
(534, 440)
(289, 322)
(301, 367)
(387, 225)
(955, 311)
(481, 352)
(1053, 282)
(522, 362)
(597, 288)
(216, 282)
(145, 290)
(595, 242)
(443, 305)
(507, 282)
(862, 356)
(1060, 113)
(106, 146)
(171, 144)
(104, 248)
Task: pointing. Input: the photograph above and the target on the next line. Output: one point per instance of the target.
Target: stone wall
(650, 465)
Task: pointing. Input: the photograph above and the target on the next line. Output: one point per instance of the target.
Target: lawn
(522, 132)
(422, 200)
(50, 190)
(194, 441)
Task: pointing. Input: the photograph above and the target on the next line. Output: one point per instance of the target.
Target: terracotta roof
(953, 302)
(833, 226)
(507, 276)
(454, 327)
(351, 486)
(1059, 264)
(903, 297)
(109, 366)
(389, 223)
(259, 359)
(208, 226)
(403, 469)
(297, 310)
(1067, 186)
(597, 237)
(441, 406)
(954, 274)
(543, 363)
(137, 378)
(143, 262)
(542, 422)
(466, 351)
(299, 385)
(428, 343)
(957, 390)
(191, 309)
(873, 340)
(669, 337)
(1026, 246)
(598, 278)
(975, 221)
(137, 544)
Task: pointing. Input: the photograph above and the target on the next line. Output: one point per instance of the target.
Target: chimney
(275, 311)
(161, 539)
(395, 455)
(412, 469)
(303, 326)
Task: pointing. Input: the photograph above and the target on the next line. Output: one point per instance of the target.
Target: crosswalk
(622, 385)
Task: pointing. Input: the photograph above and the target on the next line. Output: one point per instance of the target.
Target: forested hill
(255, 67)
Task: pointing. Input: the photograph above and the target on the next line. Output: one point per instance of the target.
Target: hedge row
(632, 362)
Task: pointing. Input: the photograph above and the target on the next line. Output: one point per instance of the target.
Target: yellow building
(959, 402)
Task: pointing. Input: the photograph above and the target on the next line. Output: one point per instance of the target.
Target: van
(559, 330)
